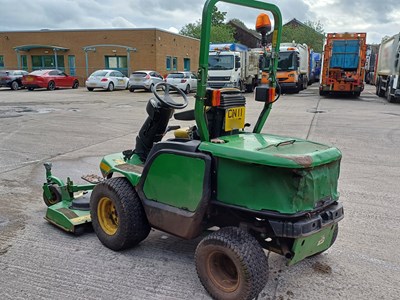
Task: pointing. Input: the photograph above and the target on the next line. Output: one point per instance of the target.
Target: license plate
(29, 79)
(234, 118)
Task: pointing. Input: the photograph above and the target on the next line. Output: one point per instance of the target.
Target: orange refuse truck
(343, 65)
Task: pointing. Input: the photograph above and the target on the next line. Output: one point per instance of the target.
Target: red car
(50, 79)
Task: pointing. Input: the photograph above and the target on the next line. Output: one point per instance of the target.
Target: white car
(107, 80)
(186, 81)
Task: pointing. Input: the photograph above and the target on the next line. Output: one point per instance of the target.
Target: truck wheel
(55, 196)
(249, 88)
(118, 217)
(379, 91)
(231, 264)
(335, 233)
(388, 95)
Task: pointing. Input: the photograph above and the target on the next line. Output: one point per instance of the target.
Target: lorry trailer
(388, 69)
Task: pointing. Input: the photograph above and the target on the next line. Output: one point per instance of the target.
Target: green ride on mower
(255, 190)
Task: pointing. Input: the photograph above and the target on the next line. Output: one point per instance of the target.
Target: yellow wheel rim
(107, 216)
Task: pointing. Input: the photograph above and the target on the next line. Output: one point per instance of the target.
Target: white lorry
(293, 66)
(388, 69)
(232, 65)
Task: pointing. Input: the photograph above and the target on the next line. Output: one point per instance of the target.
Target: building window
(24, 62)
(47, 62)
(168, 63)
(1, 61)
(175, 63)
(72, 65)
(119, 63)
(186, 64)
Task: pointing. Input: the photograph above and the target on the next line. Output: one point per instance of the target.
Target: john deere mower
(260, 191)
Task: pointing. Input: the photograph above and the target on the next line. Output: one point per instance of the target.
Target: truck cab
(232, 66)
(293, 67)
(224, 68)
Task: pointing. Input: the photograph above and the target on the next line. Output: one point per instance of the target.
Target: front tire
(55, 195)
(75, 84)
(231, 264)
(90, 89)
(118, 216)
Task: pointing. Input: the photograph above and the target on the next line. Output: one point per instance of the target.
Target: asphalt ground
(74, 128)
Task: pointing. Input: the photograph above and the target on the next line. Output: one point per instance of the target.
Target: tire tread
(250, 254)
(133, 226)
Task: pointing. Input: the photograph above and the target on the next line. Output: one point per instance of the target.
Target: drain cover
(316, 111)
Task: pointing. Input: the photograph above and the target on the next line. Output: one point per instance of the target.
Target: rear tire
(51, 86)
(110, 87)
(187, 90)
(388, 95)
(14, 85)
(379, 91)
(231, 264)
(118, 216)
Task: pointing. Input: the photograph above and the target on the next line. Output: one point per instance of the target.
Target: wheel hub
(107, 216)
(222, 271)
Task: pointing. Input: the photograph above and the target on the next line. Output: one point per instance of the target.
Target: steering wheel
(166, 98)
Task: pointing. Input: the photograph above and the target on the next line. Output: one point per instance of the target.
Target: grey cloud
(369, 15)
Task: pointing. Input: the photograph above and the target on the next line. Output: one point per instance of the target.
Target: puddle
(19, 111)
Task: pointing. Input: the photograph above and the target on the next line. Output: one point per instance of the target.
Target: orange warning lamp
(263, 24)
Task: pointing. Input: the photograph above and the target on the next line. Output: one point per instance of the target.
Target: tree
(220, 32)
(311, 33)
(217, 17)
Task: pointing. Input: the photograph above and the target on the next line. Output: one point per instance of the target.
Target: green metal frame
(203, 61)
(67, 190)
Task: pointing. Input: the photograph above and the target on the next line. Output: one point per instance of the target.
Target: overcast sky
(377, 18)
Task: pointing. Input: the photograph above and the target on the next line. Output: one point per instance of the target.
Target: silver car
(186, 81)
(107, 80)
(144, 80)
